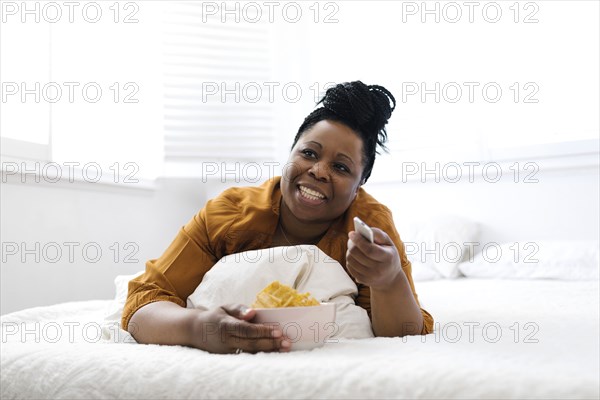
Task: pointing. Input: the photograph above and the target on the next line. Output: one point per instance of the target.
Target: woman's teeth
(311, 194)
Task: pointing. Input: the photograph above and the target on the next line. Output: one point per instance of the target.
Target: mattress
(493, 339)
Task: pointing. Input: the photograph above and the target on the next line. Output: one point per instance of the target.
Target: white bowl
(306, 327)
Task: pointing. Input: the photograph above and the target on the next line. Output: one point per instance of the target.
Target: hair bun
(368, 106)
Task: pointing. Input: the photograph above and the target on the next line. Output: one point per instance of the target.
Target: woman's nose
(319, 172)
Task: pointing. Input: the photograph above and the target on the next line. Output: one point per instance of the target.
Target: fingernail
(285, 343)
(245, 311)
(276, 333)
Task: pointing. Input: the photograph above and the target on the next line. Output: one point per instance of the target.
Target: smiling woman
(313, 202)
(322, 179)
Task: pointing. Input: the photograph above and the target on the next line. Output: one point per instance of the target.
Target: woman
(314, 202)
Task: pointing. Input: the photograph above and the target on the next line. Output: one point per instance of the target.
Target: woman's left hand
(376, 265)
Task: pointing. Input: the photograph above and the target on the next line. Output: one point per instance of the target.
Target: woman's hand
(394, 309)
(376, 265)
(228, 329)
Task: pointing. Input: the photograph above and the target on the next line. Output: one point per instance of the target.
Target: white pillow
(115, 309)
(424, 272)
(112, 330)
(436, 246)
(565, 260)
(237, 278)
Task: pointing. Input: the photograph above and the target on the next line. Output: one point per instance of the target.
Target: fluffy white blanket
(494, 339)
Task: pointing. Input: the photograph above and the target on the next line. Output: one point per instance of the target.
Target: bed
(494, 338)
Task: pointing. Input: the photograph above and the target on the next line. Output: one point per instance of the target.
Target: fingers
(357, 266)
(257, 345)
(240, 334)
(381, 237)
(370, 263)
(365, 253)
(244, 329)
(237, 324)
(369, 251)
(357, 262)
(356, 254)
(239, 311)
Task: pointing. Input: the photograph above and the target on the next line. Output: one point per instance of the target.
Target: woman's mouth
(310, 196)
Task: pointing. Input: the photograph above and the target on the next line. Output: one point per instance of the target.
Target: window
(160, 85)
(215, 78)
(80, 87)
(24, 63)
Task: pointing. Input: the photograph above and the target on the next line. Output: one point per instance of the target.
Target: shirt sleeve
(385, 222)
(180, 269)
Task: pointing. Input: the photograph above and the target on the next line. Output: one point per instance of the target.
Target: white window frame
(25, 162)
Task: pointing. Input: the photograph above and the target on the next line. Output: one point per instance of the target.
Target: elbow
(406, 328)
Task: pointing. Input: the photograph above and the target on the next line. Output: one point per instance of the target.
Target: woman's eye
(342, 167)
(309, 153)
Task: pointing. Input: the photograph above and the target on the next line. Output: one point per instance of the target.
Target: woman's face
(323, 173)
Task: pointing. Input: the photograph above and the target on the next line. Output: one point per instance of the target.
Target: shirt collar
(275, 184)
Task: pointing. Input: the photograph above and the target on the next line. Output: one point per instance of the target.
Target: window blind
(216, 86)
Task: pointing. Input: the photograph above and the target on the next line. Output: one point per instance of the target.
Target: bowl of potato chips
(306, 322)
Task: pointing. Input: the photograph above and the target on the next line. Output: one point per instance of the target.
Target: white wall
(83, 213)
(563, 205)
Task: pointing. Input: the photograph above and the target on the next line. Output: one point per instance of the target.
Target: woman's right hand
(222, 330)
(228, 329)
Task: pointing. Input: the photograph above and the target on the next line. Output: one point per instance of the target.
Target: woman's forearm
(162, 322)
(225, 329)
(394, 311)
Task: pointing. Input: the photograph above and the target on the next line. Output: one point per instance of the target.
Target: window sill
(20, 171)
(516, 163)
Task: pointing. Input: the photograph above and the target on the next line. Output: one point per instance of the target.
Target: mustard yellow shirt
(242, 219)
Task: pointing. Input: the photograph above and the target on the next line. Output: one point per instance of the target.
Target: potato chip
(277, 295)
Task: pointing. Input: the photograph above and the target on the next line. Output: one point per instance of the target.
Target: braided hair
(363, 108)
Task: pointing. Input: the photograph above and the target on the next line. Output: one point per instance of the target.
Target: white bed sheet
(564, 362)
